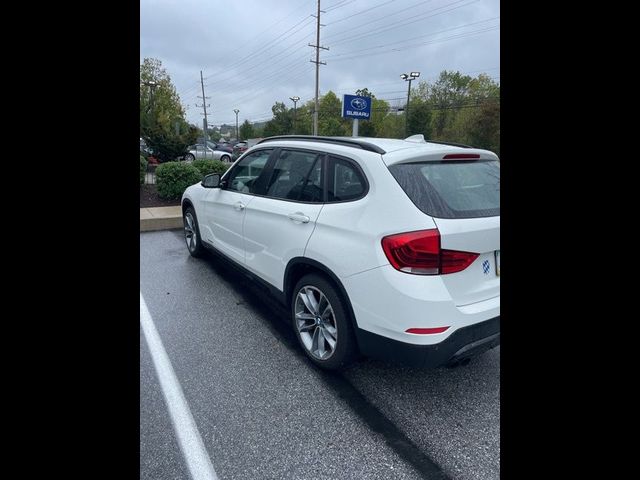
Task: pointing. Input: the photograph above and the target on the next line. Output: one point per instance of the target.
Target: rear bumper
(464, 343)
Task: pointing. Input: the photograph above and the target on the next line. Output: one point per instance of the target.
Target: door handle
(299, 217)
(239, 206)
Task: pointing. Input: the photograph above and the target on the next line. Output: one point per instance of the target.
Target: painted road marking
(193, 449)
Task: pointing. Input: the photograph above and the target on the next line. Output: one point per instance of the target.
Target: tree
(464, 109)
(419, 118)
(162, 123)
(246, 130)
(330, 121)
(304, 119)
(159, 105)
(281, 123)
(364, 92)
(484, 126)
(379, 110)
(392, 126)
(447, 95)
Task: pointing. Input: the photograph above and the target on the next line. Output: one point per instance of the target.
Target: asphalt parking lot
(264, 412)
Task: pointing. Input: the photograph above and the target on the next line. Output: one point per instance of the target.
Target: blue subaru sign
(356, 107)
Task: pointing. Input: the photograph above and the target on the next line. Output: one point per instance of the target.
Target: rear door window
(464, 189)
(297, 176)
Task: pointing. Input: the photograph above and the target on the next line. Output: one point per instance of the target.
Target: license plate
(497, 262)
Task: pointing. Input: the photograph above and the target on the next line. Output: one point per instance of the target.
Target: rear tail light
(420, 253)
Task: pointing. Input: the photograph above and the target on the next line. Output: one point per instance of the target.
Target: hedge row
(173, 178)
(210, 166)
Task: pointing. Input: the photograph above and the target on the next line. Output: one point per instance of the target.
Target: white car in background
(386, 247)
(202, 152)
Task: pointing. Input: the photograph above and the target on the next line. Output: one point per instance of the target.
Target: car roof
(392, 149)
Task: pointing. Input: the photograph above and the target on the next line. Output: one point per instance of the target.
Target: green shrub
(210, 166)
(173, 178)
(143, 169)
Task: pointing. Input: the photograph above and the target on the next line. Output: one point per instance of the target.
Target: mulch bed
(149, 198)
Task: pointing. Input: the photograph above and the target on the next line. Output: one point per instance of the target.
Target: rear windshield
(461, 189)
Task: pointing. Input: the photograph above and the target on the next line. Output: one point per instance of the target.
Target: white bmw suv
(386, 247)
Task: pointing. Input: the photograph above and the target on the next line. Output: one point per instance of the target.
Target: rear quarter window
(464, 189)
(346, 182)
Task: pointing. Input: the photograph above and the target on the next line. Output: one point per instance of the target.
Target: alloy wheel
(190, 232)
(316, 322)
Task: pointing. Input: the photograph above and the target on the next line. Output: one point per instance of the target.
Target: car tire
(192, 233)
(225, 158)
(320, 321)
(189, 157)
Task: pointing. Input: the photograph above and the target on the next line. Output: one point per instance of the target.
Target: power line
(189, 89)
(404, 47)
(378, 19)
(246, 58)
(404, 21)
(269, 28)
(262, 82)
(278, 72)
(272, 63)
(264, 47)
(415, 38)
(257, 93)
(345, 53)
(364, 11)
(253, 95)
(339, 5)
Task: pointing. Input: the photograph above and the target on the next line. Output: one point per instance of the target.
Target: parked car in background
(201, 152)
(386, 247)
(239, 148)
(225, 146)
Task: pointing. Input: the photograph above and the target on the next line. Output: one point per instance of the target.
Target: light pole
(237, 111)
(408, 78)
(295, 101)
(151, 84)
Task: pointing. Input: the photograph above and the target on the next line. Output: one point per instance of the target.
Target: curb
(160, 218)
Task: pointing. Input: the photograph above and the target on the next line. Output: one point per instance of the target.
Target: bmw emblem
(486, 266)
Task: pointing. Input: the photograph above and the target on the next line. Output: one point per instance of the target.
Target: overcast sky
(255, 52)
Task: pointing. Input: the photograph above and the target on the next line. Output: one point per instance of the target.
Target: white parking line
(193, 449)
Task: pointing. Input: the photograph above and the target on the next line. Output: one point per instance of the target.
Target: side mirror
(211, 181)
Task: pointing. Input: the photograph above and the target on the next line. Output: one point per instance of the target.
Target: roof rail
(453, 144)
(346, 141)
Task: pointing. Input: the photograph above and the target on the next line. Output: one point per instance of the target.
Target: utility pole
(318, 63)
(237, 111)
(205, 123)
